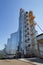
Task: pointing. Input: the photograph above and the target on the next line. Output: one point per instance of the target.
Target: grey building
(12, 43)
(27, 33)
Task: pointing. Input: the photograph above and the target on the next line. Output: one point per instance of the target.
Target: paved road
(13, 62)
(34, 61)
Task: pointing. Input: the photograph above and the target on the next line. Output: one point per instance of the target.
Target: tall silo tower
(27, 33)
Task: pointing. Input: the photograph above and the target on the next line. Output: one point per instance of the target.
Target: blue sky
(9, 16)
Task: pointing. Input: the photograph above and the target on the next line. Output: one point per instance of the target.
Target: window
(26, 16)
(27, 19)
(27, 24)
(27, 28)
(28, 33)
(26, 12)
(28, 39)
(28, 45)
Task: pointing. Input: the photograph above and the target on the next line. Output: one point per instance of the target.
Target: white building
(12, 44)
(27, 33)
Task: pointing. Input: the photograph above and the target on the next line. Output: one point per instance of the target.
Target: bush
(18, 54)
(1, 56)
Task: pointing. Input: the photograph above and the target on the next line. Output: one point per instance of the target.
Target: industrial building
(40, 45)
(25, 40)
(27, 33)
(11, 47)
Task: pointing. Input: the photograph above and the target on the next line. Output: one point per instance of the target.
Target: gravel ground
(13, 62)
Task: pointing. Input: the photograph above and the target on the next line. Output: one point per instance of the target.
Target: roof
(39, 35)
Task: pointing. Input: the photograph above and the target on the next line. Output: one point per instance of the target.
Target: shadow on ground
(35, 60)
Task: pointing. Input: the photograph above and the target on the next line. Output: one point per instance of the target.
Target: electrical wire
(39, 27)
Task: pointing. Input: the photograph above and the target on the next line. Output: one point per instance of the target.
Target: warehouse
(40, 44)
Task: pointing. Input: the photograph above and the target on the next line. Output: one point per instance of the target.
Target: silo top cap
(21, 10)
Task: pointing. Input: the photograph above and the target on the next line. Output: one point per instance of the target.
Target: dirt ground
(13, 62)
